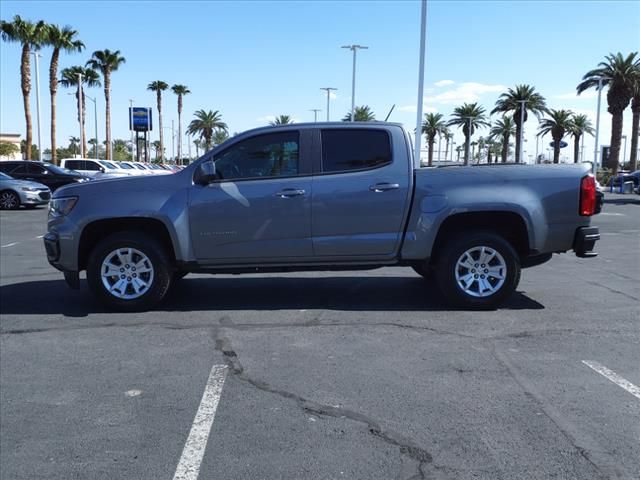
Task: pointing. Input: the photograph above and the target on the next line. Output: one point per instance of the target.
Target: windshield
(4, 176)
(107, 164)
(126, 166)
(59, 170)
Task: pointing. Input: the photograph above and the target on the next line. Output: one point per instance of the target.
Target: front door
(260, 208)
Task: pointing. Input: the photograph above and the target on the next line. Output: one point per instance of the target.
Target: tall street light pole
(423, 37)
(354, 49)
(315, 114)
(36, 56)
(173, 142)
(624, 156)
(595, 150)
(328, 89)
(131, 123)
(95, 119)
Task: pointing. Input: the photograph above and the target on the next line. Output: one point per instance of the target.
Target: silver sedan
(14, 193)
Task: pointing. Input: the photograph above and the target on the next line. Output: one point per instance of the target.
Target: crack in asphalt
(406, 446)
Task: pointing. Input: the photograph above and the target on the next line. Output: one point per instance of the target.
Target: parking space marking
(9, 245)
(614, 377)
(613, 214)
(193, 452)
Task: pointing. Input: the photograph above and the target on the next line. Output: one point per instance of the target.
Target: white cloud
(332, 95)
(464, 93)
(444, 83)
(266, 118)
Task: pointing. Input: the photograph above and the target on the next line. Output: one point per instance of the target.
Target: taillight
(587, 196)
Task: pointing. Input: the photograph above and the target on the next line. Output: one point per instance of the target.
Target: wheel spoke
(124, 257)
(138, 284)
(468, 280)
(496, 272)
(120, 286)
(111, 271)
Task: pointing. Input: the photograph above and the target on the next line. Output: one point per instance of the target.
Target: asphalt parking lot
(354, 375)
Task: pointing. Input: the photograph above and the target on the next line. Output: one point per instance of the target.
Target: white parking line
(9, 245)
(614, 377)
(193, 452)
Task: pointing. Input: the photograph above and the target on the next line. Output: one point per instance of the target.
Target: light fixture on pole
(315, 113)
(423, 36)
(95, 115)
(328, 89)
(80, 110)
(595, 150)
(36, 56)
(520, 141)
(354, 49)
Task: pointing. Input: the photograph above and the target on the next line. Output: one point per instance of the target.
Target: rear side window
(353, 149)
(15, 168)
(74, 165)
(91, 166)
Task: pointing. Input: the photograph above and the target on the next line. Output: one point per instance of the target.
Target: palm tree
(580, 125)
(59, 39)
(205, 124)
(635, 125)
(180, 91)
(157, 146)
(159, 86)
(559, 123)
(73, 144)
(448, 136)
(281, 120)
(432, 125)
(107, 62)
(362, 114)
(220, 136)
(90, 78)
(619, 74)
(30, 35)
(469, 114)
(503, 129)
(511, 101)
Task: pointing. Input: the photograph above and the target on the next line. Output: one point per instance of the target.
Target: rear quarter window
(353, 149)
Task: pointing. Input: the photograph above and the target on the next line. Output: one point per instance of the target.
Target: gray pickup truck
(321, 196)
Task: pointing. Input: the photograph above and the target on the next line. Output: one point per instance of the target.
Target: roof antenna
(389, 114)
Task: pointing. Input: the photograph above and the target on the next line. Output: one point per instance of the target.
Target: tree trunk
(25, 74)
(107, 101)
(505, 148)
(85, 150)
(576, 148)
(616, 140)
(489, 155)
(53, 88)
(446, 149)
(635, 132)
(517, 139)
(160, 126)
(556, 152)
(179, 130)
(467, 150)
(432, 142)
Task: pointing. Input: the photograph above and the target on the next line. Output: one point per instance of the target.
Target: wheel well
(509, 225)
(96, 231)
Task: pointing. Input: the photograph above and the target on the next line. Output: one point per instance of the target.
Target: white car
(133, 168)
(98, 169)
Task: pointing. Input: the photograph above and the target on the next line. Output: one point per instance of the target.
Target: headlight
(28, 189)
(59, 207)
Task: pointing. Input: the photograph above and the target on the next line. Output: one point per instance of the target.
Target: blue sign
(562, 144)
(140, 119)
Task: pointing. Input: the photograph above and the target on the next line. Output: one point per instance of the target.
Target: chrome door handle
(384, 187)
(290, 192)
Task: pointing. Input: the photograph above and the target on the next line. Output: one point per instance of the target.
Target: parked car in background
(134, 168)
(42, 172)
(93, 168)
(14, 193)
(626, 177)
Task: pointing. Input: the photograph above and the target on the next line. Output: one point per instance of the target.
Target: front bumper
(39, 197)
(585, 240)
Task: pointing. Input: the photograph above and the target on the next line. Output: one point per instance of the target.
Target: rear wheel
(9, 200)
(478, 270)
(129, 271)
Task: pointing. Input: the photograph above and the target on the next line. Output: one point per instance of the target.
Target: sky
(253, 60)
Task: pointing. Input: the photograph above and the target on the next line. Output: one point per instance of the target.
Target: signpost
(141, 120)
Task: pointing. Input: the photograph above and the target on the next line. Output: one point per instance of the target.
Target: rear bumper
(585, 241)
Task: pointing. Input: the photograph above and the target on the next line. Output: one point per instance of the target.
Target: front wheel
(9, 200)
(129, 271)
(478, 270)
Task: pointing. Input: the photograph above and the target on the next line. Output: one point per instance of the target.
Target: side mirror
(205, 173)
(102, 169)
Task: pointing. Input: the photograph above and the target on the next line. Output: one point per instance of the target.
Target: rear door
(361, 192)
(260, 209)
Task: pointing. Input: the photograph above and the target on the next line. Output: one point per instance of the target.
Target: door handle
(384, 187)
(290, 192)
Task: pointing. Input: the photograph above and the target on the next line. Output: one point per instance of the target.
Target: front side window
(353, 149)
(91, 166)
(73, 164)
(270, 155)
(35, 169)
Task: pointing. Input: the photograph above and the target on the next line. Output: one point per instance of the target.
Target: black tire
(157, 258)
(30, 207)
(477, 295)
(9, 200)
